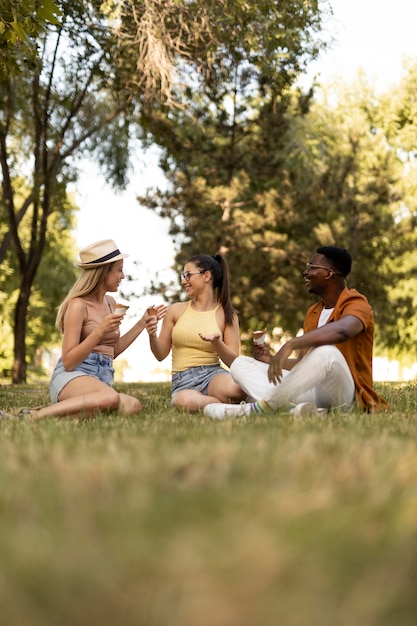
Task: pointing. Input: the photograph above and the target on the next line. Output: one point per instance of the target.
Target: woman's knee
(109, 400)
(183, 400)
(225, 389)
(237, 393)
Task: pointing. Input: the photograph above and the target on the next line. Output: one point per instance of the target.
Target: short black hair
(340, 258)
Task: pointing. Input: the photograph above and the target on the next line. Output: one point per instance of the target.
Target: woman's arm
(162, 344)
(129, 337)
(74, 351)
(227, 348)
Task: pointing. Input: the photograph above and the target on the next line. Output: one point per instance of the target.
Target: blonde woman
(201, 332)
(82, 381)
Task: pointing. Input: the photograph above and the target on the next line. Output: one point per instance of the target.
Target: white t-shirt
(324, 316)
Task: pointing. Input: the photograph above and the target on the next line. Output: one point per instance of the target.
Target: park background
(168, 518)
(369, 36)
(337, 136)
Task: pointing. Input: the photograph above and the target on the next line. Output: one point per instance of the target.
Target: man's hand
(278, 363)
(261, 352)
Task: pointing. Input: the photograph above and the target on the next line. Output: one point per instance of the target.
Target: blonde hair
(88, 283)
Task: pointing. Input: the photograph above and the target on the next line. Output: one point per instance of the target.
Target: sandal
(6, 416)
(24, 411)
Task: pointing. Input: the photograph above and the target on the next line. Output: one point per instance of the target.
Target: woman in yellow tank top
(203, 334)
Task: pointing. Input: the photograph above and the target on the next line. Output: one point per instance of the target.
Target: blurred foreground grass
(170, 519)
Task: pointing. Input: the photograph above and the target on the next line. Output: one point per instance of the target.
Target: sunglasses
(187, 275)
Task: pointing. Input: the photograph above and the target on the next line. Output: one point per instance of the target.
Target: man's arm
(339, 331)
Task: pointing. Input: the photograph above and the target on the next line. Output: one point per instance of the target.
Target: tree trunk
(20, 328)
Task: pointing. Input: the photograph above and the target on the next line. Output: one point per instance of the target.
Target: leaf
(48, 12)
(18, 29)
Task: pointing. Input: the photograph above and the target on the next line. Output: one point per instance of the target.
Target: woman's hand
(161, 311)
(155, 311)
(151, 325)
(213, 337)
(152, 316)
(110, 323)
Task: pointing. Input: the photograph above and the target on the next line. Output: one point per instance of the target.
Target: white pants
(321, 377)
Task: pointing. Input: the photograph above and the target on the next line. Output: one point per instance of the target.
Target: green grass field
(170, 519)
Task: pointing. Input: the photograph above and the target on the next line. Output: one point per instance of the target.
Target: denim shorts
(197, 378)
(98, 365)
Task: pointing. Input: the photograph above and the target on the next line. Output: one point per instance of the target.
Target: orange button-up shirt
(358, 350)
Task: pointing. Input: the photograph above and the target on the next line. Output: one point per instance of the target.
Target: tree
(266, 173)
(64, 103)
(359, 188)
(398, 119)
(20, 22)
(49, 111)
(96, 70)
(55, 275)
(269, 187)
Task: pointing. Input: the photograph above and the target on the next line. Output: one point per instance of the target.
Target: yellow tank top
(188, 350)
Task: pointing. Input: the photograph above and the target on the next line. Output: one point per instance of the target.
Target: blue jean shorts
(197, 378)
(98, 365)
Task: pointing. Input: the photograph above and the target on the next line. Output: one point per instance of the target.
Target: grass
(170, 519)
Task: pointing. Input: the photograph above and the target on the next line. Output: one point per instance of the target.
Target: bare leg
(225, 389)
(222, 388)
(192, 400)
(86, 396)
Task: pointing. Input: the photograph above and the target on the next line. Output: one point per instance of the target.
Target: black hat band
(104, 258)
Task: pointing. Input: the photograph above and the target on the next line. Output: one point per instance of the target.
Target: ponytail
(218, 267)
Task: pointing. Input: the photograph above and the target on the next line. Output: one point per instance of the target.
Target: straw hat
(100, 253)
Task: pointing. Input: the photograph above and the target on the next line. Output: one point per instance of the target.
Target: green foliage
(255, 167)
(397, 117)
(21, 21)
(266, 179)
(55, 275)
(167, 518)
(225, 149)
(357, 189)
(54, 111)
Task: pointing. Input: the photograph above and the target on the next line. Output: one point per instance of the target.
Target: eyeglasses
(186, 276)
(310, 266)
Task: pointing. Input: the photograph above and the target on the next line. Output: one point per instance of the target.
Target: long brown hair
(217, 266)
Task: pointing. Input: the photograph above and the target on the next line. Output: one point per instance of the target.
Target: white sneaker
(219, 411)
(306, 409)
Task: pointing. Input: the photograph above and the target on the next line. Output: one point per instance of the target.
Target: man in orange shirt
(334, 365)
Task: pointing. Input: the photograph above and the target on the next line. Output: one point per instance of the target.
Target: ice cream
(258, 336)
(121, 309)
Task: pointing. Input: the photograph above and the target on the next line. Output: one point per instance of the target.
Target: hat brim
(86, 266)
